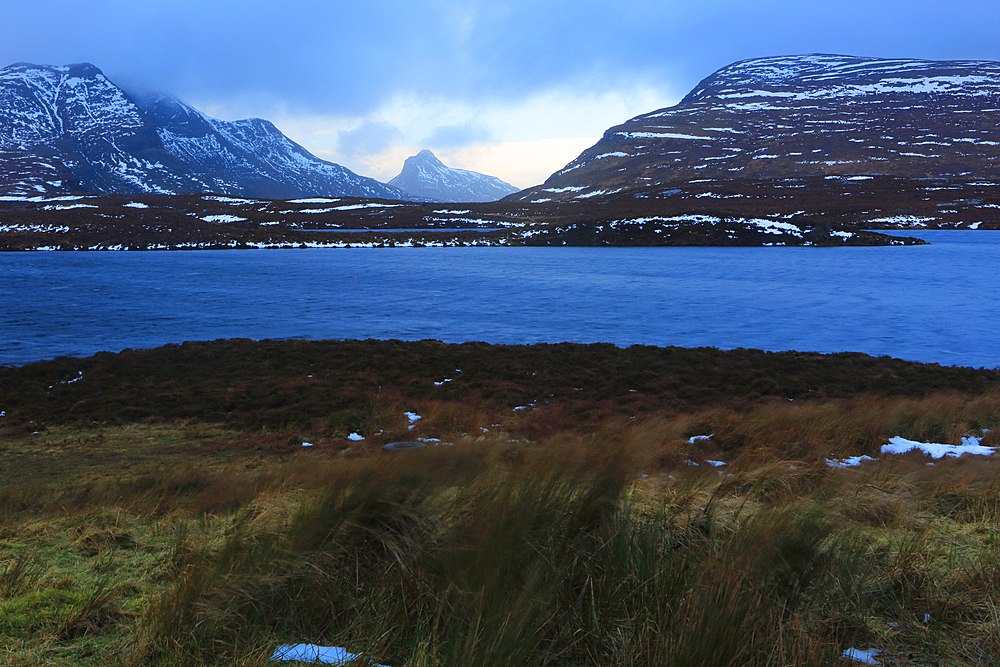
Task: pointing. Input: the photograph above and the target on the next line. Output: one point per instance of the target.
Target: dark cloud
(343, 58)
(368, 139)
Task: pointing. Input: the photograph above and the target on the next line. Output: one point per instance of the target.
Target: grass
(574, 532)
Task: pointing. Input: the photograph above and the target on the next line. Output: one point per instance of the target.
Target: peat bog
(159, 507)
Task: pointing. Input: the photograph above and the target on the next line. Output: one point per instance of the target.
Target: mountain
(426, 176)
(802, 116)
(70, 129)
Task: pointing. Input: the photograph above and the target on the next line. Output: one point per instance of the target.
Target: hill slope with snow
(70, 129)
(802, 116)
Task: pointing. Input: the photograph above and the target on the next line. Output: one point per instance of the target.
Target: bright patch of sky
(514, 89)
(519, 141)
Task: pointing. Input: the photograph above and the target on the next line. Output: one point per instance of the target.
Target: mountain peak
(68, 128)
(425, 158)
(83, 70)
(424, 175)
(802, 116)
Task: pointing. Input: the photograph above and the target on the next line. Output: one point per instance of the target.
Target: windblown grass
(575, 532)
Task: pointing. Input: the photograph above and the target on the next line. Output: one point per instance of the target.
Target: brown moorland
(160, 507)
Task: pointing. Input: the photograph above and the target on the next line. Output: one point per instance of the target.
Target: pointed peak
(425, 176)
(426, 157)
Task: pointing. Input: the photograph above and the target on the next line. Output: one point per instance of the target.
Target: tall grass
(503, 552)
(513, 559)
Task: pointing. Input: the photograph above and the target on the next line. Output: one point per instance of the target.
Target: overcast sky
(512, 88)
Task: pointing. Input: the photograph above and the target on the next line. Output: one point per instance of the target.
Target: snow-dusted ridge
(809, 115)
(70, 129)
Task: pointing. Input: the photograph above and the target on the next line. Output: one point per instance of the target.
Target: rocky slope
(424, 175)
(70, 129)
(800, 116)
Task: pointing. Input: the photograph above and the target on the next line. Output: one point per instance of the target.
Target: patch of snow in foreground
(223, 218)
(695, 438)
(848, 462)
(413, 417)
(330, 655)
(355, 437)
(864, 657)
(898, 445)
(135, 204)
(970, 445)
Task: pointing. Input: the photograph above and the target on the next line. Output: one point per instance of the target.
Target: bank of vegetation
(160, 507)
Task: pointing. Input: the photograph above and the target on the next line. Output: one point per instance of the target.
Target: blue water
(936, 303)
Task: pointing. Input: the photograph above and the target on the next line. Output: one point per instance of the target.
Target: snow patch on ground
(898, 445)
(568, 188)
(354, 207)
(597, 193)
(970, 445)
(34, 228)
(223, 218)
(911, 220)
(329, 655)
(66, 207)
(661, 135)
(866, 657)
(228, 200)
(849, 462)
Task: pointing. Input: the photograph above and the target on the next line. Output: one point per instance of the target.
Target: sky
(512, 88)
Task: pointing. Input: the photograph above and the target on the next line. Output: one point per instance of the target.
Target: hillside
(682, 216)
(71, 130)
(803, 116)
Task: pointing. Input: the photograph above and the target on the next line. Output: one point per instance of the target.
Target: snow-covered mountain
(798, 116)
(70, 129)
(424, 175)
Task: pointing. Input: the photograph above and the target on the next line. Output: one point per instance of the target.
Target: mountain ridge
(798, 116)
(69, 129)
(424, 175)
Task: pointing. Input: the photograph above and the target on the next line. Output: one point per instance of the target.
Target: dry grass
(586, 529)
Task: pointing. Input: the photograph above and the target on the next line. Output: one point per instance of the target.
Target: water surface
(935, 303)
